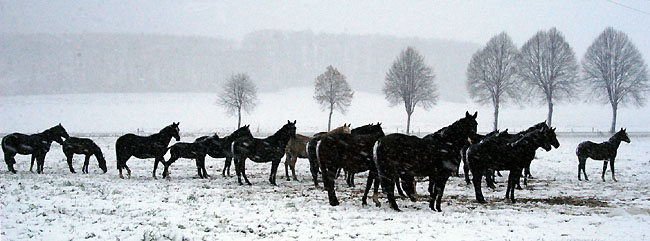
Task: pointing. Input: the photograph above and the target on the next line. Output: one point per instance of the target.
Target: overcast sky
(581, 21)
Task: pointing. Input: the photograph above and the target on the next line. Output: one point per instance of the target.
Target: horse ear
(467, 114)
(294, 121)
(475, 114)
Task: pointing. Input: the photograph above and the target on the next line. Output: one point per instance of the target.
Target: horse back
(404, 153)
(80, 146)
(596, 151)
(25, 144)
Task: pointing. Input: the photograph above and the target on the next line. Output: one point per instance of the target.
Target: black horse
(84, 146)
(196, 150)
(153, 146)
(436, 155)
(36, 144)
(500, 153)
(601, 151)
(476, 138)
(270, 149)
(351, 152)
(220, 147)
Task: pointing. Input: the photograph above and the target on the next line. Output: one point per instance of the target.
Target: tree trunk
(329, 121)
(496, 114)
(408, 122)
(239, 117)
(549, 118)
(614, 109)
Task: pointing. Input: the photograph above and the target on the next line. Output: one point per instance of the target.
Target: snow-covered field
(59, 205)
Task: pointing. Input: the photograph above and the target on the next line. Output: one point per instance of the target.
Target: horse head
(368, 129)
(243, 131)
(468, 124)
(56, 133)
(345, 128)
(172, 130)
(289, 128)
(622, 135)
(101, 160)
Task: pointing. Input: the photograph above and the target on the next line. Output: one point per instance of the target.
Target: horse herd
(393, 161)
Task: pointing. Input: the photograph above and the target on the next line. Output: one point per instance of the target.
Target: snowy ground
(59, 205)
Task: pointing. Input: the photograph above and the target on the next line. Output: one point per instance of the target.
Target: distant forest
(90, 63)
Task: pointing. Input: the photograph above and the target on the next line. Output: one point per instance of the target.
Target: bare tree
(615, 71)
(238, 93)
(491, 73)
(548, 65)
(410, 81)
(332, 92)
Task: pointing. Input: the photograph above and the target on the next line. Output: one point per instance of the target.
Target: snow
(59, 205)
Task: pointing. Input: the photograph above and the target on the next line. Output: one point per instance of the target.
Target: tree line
(544, 70)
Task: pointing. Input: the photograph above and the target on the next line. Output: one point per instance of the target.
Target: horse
(311, 150)
(296, 148)
(476, 138)
(270, 149)
(84, 146)
(195, 150)
(500, 153)
(601, 151)
(436, 155)
(352, 152)
(220, 147)
(142, 147)
(35, 144)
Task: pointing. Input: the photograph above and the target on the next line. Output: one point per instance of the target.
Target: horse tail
(374, 151)
(232, 148)
(317, 151)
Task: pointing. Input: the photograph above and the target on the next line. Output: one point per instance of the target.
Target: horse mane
(534, 127)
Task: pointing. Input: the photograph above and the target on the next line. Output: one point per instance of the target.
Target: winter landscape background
(103, 69)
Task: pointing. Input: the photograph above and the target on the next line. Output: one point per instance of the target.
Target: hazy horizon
(475, 22)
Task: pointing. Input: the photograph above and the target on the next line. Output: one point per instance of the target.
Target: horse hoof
(334, 203)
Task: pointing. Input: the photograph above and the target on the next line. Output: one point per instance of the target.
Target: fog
(145, 46)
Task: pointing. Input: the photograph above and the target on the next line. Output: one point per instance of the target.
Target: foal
(600, 151)
(195, 150)
(84, 146)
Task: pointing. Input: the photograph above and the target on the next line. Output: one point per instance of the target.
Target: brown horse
(296, 148)
(311, 149)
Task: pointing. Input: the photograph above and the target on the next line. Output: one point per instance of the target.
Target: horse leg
(84, 169)
(438, 191)
(274, 170)
(407, 184)
(375, 193)
(466, 171)
(350, 179)
(329, 174)
(198, 167)
(399, 187)
(155, 166)
(40, 163)
(226, 166)
(293, 167)
(286, 165)
(205, 172)
(9, 160)
(611, 165)
(476, 179)
(243, 171)
(371, 178)
(388, 185)
(32, 165)
(604, 170)
(582, 161)
(313, 169)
